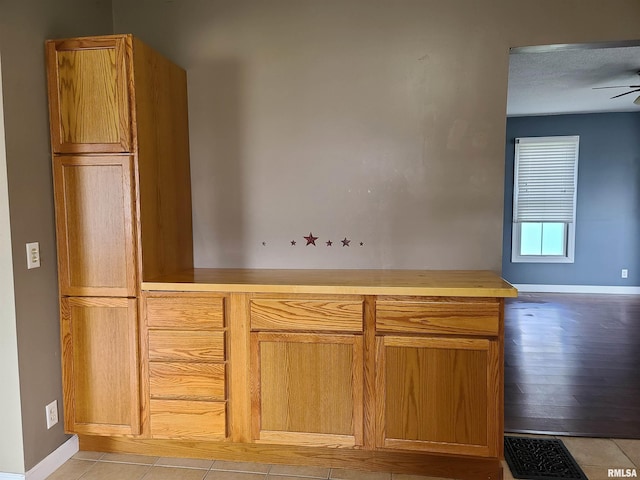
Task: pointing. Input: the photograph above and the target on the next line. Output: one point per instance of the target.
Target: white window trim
(570, 248)
(569, 257)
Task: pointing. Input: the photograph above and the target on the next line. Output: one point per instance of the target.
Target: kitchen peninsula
(392, 370)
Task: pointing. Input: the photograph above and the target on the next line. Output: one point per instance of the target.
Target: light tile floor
(594, 455)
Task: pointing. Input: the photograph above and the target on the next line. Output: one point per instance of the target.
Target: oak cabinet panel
(306, 314)
(188, 419)
(89, 95)
(185, 312)
(457, 317)
(186, 346)
(100, 365)
(308, 388)
(203, 381)
(95, 226)
(438, 394)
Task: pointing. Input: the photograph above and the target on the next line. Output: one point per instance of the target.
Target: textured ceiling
(562, 81)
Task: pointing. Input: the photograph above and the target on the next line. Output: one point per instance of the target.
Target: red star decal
(345, 242)
(311, 240)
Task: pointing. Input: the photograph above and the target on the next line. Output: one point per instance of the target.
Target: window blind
(546, 172)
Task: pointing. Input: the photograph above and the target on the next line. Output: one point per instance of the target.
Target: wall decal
(311, 240)
(329, 243)
(362, 244)
(345, 242)
(293, 243)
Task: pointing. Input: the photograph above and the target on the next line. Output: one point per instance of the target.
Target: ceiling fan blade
(614, 86)
(626, 93)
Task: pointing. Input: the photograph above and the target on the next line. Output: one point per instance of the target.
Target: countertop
(460, 283)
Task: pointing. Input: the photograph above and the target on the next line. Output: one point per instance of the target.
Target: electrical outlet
(33, 255)
(52, 414)
(624, 273)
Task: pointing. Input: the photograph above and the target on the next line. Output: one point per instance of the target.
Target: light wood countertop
(460, 283)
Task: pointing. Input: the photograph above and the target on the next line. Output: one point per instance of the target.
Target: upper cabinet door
(89, 98)
(95, 225)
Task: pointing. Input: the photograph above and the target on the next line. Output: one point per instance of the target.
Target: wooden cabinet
(119, 138)
(439, 393)
(119, 141)
(307, 387)
(371, 370)
(89, 95)
(100, 365)
(95, 217)
(184, 366)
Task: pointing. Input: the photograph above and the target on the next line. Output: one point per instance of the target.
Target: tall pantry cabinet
(120, 147)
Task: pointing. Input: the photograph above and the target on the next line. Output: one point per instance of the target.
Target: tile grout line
(614, 440)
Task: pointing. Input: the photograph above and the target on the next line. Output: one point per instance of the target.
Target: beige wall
(11, 451)
(379, 120)
(24, 26)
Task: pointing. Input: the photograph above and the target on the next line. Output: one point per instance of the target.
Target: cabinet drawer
(188, 419)
(186, 346)
(317, 315)
(184, 312)
(467, 318)
(203, 381)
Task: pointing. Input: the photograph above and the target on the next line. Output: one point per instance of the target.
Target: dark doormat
(540, 459)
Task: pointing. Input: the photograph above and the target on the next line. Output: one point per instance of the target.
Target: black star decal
(329, 243)
(264, 244)
(311, 240)
(345, 242)
(293, 242)
(362, 244)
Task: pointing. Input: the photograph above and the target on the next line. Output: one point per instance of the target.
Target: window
(544, 199)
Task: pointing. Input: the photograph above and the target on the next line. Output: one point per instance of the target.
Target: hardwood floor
(572, 365)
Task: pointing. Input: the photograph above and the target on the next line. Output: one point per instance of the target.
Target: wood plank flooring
(572, 365)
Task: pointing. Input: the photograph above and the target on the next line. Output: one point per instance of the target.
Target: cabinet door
(438, 395)
(100, 365)
(88, 95)
(95, 226)
(308, 388)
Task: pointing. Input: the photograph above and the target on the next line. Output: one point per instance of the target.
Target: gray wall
(608, 207)
(11, 448)
(382, 121)
(24, 26)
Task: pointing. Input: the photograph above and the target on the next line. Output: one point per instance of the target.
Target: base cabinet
(100, 365)
(184, 369)
(438, 395)
(402, 383)
(307, 388)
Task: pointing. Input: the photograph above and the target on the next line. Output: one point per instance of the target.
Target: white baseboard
(53, 461)
(11, 476)
(534, 288)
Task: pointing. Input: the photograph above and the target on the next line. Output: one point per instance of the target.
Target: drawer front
(466, 318)
(184, 312)
(201, 381)
(188, 419)
(315, 315)
(169, 346)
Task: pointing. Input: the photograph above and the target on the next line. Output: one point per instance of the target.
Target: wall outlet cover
(52, 414)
